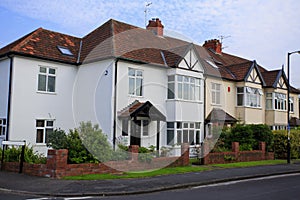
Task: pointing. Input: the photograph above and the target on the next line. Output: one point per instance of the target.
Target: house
(246, 92)
(141, 86)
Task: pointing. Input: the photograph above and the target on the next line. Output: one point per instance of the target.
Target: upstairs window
(184, 88)
(135, 82)
(43, 128)
(280, 101)
(65, 51)
(291, 104)
(46, 79)
(248, 96)
(216, 93)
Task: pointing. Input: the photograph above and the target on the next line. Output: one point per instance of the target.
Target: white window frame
(47, 75)
(280, 101)
(44, 129)
(291, 104)
(216, 93)
(186, 88)
(251, 97)
(180, 128)
(3, 126)
(137, 91)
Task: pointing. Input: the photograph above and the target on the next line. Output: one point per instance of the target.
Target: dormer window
(65, 51)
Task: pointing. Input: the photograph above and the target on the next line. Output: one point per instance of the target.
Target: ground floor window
(43, 128)
(2, 126)
(278, 127)
(183, 132)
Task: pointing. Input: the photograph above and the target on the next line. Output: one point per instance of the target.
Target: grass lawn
(175, 170)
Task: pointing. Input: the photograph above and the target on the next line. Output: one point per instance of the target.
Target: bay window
(184, 88)
(248, 96)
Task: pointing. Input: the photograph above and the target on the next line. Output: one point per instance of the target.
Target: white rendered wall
(4, 86)
(28, 104)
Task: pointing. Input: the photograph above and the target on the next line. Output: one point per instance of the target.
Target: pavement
(24, 184)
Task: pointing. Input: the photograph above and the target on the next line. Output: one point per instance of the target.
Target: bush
(248, 136)
(280, 144)
(13, 154)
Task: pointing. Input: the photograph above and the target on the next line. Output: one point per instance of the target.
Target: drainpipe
(9, 96)
(115, 104)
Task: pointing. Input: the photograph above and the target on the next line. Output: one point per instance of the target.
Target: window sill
(43, 92)
(214, 104)
(134, 96)
(259, 108)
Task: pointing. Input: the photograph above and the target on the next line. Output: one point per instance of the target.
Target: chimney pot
(156, 26)
(213, 44)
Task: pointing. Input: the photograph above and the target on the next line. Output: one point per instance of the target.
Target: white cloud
(261, 30)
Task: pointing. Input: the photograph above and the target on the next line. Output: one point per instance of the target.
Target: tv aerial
(147, 5)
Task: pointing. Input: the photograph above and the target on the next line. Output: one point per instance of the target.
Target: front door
(135, 133)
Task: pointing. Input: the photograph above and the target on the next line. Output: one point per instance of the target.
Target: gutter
(115, 104)
(9, 97)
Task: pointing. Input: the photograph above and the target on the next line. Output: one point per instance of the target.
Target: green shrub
(13, 154)
(280, 143)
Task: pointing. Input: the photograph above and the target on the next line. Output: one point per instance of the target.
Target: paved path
(20, 183)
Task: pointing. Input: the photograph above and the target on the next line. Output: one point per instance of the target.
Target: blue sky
(260, 30)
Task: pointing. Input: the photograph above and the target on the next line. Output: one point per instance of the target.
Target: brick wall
(238, 156)
(57, 166)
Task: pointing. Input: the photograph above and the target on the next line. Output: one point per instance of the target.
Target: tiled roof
(116, 39)
(270, 77)
(43, 44)
(138, 109)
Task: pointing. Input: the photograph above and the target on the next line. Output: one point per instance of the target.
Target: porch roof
(138, 109)
(217, 115)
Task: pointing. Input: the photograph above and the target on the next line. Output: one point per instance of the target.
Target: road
(285, 187)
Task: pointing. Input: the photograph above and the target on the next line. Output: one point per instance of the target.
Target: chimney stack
(214, 44)
(156, 27)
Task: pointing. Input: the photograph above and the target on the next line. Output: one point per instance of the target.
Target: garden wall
(57, 166)
(238, 156)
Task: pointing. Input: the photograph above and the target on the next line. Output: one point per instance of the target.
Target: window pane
(191, 137)
(145, 128)
(240, 100)
(186, 91)
(125, 127)
(192, 125)
(43, 69)
(197, 137)
(131, 72)
(42, 82)
(51, 71)
(49, 123)
(4, 121)
(179, 78)
(185, 125)
(185, 136)
(51, 83)
(171, 89)
(170, 137)
(197, 93)
(170, 124)
(179, 137)
(131, 86)
(269, 104)
(48, 131)
(139, 73)
(40, 123)
(192, 92)
(171, 78)
(139, 87)
(197, 125)
(179, 125)
(39, 136)
(180, 90)
(240, 90)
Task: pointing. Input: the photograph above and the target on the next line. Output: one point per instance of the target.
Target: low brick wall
(238, 156)
(57, 166)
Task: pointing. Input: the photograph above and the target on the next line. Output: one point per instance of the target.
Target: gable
(191, 61)
(254, 76)
(281, 83)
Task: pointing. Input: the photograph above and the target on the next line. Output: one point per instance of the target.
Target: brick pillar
(57, 161)
(134, 150)
(235, 147)
(185, 154)
(262, 148)
(205, 149)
